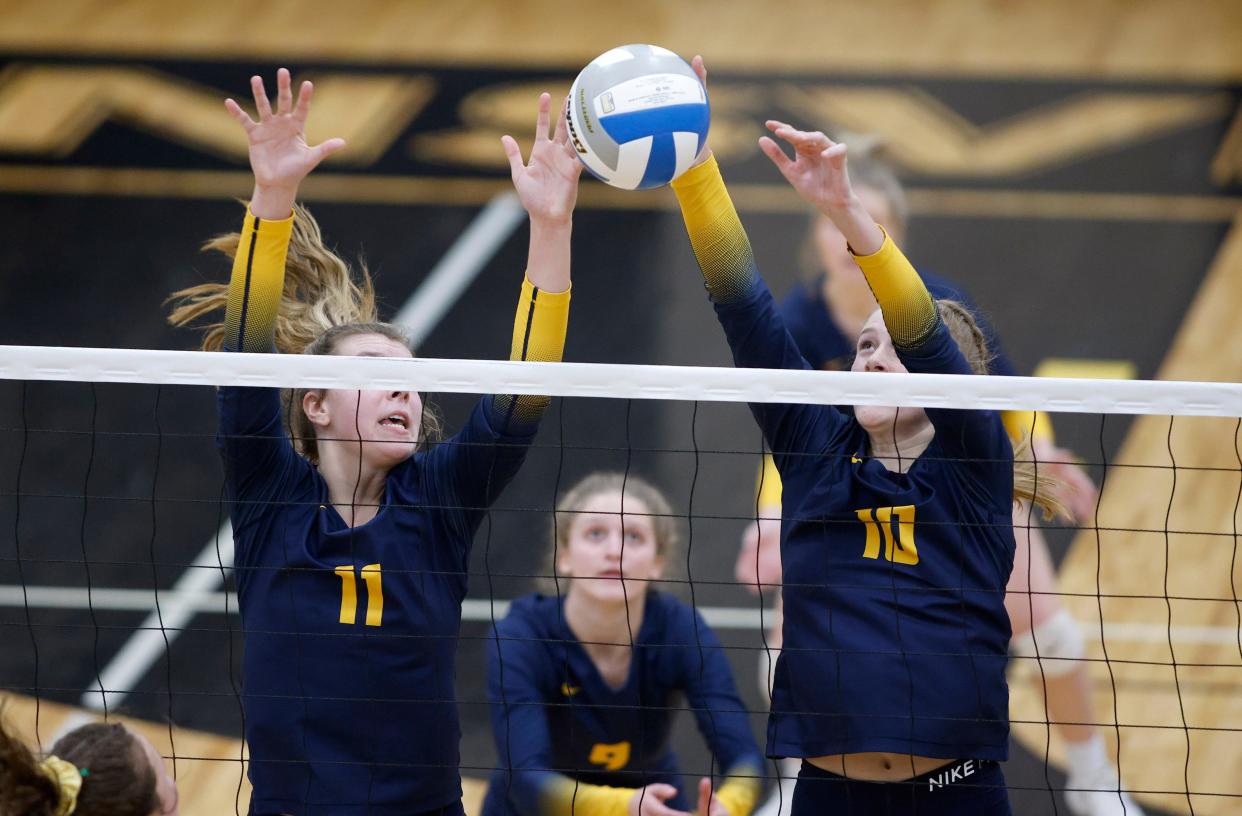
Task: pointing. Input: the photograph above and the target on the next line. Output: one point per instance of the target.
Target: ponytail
(322, 303)
(1029, 484)
(320, 292)
(114, 776)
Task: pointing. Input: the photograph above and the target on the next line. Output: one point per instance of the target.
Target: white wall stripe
(481, 610)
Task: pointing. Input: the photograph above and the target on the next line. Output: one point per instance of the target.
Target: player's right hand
(649, 801)
(279, 154)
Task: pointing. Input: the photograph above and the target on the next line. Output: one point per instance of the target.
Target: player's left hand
(817, 171)
(1077, 493)
(709, 805)
(547, 184)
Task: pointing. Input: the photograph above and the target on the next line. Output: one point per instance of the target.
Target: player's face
(832, 247)
(611, 556)
(874, 352)
(387, 422)
(165, 787)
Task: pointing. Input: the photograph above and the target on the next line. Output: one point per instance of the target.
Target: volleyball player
(897, 537)
(582, 686)
(100, 769)
(353, 536)
(822, 314)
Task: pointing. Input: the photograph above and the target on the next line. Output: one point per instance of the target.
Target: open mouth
(399, 421)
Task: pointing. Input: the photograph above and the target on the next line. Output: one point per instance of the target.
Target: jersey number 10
(349, 594)
(899, 544)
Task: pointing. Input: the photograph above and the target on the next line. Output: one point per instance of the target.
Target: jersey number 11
(349, 594)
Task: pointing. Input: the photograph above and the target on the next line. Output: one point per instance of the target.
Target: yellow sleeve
(909, 311)
(716, 234)
(769, 489)
(566, 797)
(738, 794)
(540, 324)
(256, 284)
(1020, 424)
(539, 327)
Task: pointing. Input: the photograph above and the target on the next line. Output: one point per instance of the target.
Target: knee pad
(1056, 646)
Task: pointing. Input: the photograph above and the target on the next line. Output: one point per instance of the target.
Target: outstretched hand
(817, 170)
(547, 185)
(279, 154)
(818, 174)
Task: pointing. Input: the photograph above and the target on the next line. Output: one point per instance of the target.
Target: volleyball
(637, 116)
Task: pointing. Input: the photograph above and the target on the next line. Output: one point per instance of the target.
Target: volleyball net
(118, 594)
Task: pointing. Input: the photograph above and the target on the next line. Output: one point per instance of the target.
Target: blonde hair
(869, 171)
(323, 302)
(1028, 483)
(664, 524)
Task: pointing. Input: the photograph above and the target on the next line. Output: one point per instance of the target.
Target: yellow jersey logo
(854, 460)
(568, 690)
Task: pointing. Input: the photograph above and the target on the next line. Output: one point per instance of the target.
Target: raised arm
(818, 173)
(744, 305)
(547, 186)
(258, 458)
(485, 455)
(280, 159)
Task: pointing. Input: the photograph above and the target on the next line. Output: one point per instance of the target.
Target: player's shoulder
(674, 619)
(534, 614)
(943, 288)
(801, 300)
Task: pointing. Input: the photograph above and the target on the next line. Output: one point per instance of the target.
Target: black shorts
(972, 786)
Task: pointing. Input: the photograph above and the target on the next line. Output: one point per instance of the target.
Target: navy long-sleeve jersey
(554, 717)
(350, 633)
(895, 630)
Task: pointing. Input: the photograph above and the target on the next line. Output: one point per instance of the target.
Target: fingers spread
(323, 150)
(260, 97)
(302, 108)
(561, 136)
(243, 118)
(514, 154)
(773, 151)
(284, 95)
(541, 120)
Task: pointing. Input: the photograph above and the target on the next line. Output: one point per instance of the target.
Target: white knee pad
(1057, 643)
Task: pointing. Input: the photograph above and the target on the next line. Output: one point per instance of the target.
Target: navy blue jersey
(351, 633)
(895, 630)
(555, 718)
(826, 348)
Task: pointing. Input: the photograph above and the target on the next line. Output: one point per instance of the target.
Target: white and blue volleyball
(638, 116)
